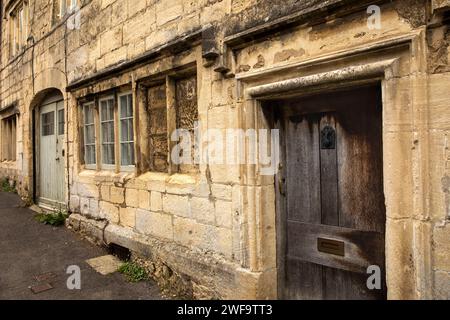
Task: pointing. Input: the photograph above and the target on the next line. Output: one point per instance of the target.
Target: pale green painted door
(52, 154)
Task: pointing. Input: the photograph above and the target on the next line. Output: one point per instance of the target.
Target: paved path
(29, 248)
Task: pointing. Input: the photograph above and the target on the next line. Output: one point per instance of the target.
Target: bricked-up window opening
(126, 129)
(107, 131)
(48, 124)
(187, 116)
(89, 134)
(158, 136)
(18, 27)
(8, 139)
(172, 111)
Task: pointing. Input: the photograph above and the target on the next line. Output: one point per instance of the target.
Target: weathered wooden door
(51, 153)
(333, 219)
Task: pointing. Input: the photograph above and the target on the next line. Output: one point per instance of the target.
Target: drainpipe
(66, 114)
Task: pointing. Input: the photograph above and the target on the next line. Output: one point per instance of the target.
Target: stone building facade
(91, 91)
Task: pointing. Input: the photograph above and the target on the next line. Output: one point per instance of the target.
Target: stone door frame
(399, 64)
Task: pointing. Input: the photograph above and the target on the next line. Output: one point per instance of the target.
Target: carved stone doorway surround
(399, 64)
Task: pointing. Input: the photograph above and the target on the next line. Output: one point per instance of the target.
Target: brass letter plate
(331, 246)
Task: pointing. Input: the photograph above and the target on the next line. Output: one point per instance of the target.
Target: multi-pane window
(107, 131)
(126, 130)
(89, 134)
(8, 138)
(116, 133)
(18, 27)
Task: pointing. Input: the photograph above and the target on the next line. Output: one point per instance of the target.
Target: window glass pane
(125, 155)
(89, 134)
(107, 131)
(61, 122)
(90, 154)
(123, 107)
(21, 33)
(126, 130)
(108, 154)
(103, 110)
(127, 151)
(111, 131)
(89, 114)
(48, 123)
(130, 105)
(63, 7)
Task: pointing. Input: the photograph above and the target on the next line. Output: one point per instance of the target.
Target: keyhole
(328, 138)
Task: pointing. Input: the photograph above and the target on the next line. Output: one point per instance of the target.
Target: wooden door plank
(362, 248)
(303, 281)
(328, 172)
(303, 169)
(359, 151)
(346, 285)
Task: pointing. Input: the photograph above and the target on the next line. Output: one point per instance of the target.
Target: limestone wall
(228, 212)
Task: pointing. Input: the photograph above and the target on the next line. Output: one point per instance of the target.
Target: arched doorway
(50, 151)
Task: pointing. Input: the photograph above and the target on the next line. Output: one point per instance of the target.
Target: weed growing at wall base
(54, 219)
(6, 186)
(133, 272)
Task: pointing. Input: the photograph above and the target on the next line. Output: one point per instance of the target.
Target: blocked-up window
(187, 117)
(89, 134)
(157, 106)
(107, 131)
(173, 114)
(126, 130)
(8, 139)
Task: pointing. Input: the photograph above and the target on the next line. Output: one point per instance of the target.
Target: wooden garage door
(334, 219)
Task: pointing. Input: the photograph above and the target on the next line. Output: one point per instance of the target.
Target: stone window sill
(8, 162)
(176, 178)
(106, 176)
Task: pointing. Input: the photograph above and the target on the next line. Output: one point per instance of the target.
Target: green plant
(5, 186)
(133, 272)
(54, 219)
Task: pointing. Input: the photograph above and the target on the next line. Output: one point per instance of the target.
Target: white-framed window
(126, 128)
(62, 8)
(107, 132)
(8, 138)
(67, 6)
(73, 4)
(112, 117)
(18, 27)
(89, 135)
